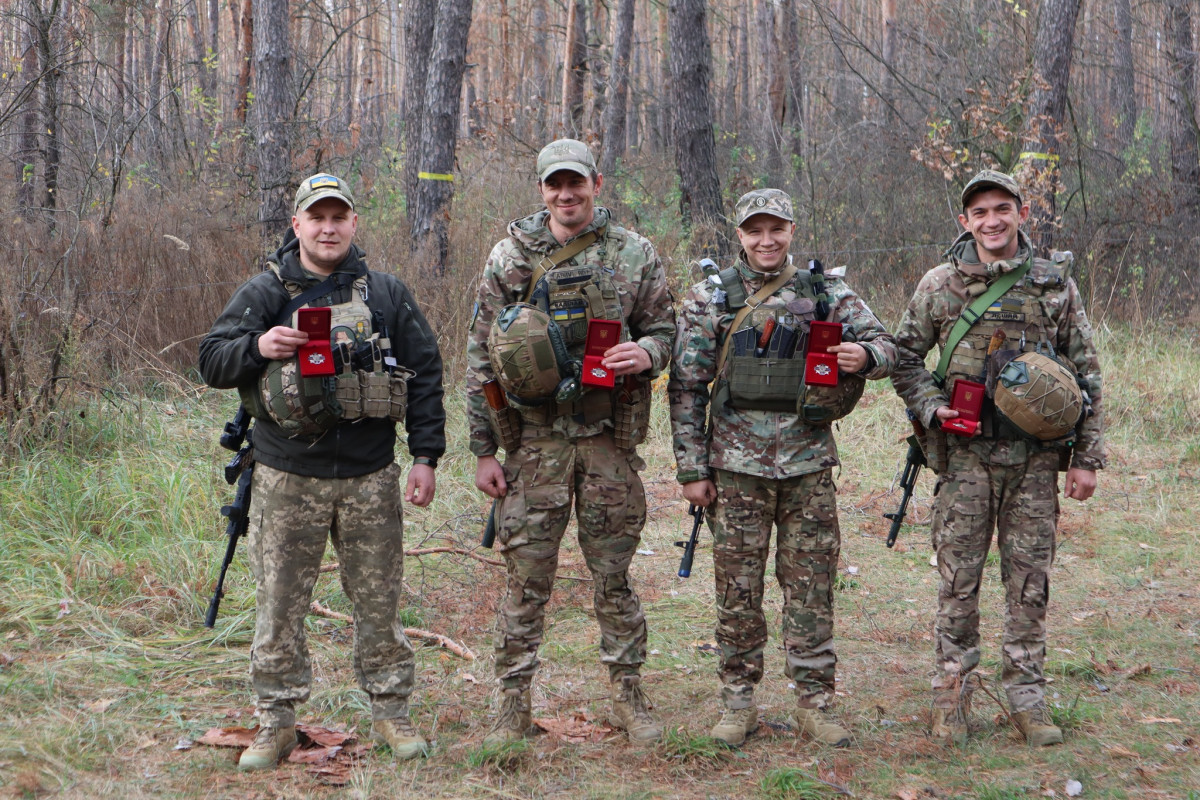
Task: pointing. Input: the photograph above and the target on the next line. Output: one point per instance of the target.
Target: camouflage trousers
(544, 476)
(803, 510)
(291, 516)
(1020, 502)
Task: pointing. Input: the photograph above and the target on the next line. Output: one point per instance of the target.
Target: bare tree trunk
(773, 86)
(574, 68)
(46, 29)
(350, 80)
(1121, 89)
(204, 75)
(691, 112)
(274, 103)
(613, 123)
(794, 115)
(1185, 148)
(633, 107)
(1053, 46)
(439, 133)
(214, 39)
(419, 19)
(540, 102)
(26, 156)
(245, 65)
(888, 85)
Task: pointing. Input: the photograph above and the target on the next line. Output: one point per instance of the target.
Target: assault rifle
(237, 437)
(908, 479)
(689, 547)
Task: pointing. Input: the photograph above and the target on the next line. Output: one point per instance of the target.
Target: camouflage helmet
(527, 352)
(1040, 396)
(300, 406)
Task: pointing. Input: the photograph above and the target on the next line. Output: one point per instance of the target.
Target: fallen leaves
(577, 729)
(329, 755)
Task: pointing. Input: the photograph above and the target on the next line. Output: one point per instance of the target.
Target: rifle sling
(973, 313)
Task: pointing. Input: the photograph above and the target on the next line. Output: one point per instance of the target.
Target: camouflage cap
(763, 201)
(318, 187)
(990, 179)
(569, 154)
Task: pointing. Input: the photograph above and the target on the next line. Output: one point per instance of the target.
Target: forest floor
(109, 683)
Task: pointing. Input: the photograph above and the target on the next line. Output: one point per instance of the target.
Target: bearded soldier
(572, 320)
(789, 348)
(328, 356)
(1006, 408)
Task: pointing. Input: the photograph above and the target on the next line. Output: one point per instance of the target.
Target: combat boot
(736, 724)
(400, 735)
(1035, 724)
(631, 710)
(271, 745)
(514, 721)
(820, 728)
(951, 710)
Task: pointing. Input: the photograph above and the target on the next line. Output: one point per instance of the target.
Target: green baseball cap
(990, 179)
(320, 186)
(763, 201)
(568, 154)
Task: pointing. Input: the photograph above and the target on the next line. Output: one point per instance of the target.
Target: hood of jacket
(290, 269)
(534, 234)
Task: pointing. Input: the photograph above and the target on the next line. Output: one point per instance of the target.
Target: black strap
(335, 281)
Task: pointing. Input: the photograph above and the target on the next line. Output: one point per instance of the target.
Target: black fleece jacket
(229, 358)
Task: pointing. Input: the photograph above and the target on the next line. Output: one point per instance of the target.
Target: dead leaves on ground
(327, 754)
(577, 729)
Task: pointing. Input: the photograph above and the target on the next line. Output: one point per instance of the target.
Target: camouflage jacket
(770, 444)
(646, 304)
(935, 306)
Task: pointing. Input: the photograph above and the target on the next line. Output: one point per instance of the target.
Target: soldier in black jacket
(324, 447)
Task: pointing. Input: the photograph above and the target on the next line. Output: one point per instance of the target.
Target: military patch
(1005, 310)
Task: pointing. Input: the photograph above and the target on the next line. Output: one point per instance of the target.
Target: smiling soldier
(572, 320)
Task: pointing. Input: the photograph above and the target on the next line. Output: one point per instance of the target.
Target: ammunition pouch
(506, 427)
(936, 449)
(823, 405)
(631, 416)
(764, 384)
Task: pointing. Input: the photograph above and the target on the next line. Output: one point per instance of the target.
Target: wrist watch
(427, 461)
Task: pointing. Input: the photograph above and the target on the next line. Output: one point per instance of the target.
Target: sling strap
(973, 313)
(559, 256)
(753, 302)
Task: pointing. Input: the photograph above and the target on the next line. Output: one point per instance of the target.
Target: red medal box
(968, 402)
(315, 355)
(820, 367)
(602, 334)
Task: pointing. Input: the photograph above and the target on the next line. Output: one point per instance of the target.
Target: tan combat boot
(631, 710)
(270, 746)
(1035, 724)
(951, 710)
(400, 735)
(514, 721)
(736, 724)
(820, 728)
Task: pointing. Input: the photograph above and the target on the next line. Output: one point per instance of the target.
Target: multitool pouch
(822, 405)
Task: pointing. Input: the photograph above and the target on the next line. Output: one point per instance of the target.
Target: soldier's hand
(281, 342)
(489, 477)
(700, 493)
(1079, 484)
(851, 356)
(627, 358)
(422, 483)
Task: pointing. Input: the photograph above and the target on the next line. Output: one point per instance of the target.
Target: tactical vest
(1022, 315)
(364, 386)
(772, 383)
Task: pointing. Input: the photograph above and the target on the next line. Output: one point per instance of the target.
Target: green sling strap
(973, 313)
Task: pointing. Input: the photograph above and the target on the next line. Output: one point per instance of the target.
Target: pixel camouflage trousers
(544, 475)
(1021, 503)
(804, 512)
(291, 516)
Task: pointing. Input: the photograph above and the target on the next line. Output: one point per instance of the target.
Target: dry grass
(108, 547)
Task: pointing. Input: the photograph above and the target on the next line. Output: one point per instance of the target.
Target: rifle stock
(240, 470)
(914, 460)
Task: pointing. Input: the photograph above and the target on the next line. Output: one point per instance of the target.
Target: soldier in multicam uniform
(337, 479)
(999, 478)
(766, 460)
(573, 448)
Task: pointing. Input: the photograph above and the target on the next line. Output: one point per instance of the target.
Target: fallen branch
(462, 651)
(461, 551)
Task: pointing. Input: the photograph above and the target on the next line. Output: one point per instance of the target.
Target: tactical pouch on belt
(349, 394)
(764, 384)
(822, 405)
(506, 427)
(631, 415)
(397, 406)
(934, 445)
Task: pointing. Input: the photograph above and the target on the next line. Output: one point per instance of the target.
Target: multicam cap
(990, 179)
(569, 154)
(318, 187)
(763, 201)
